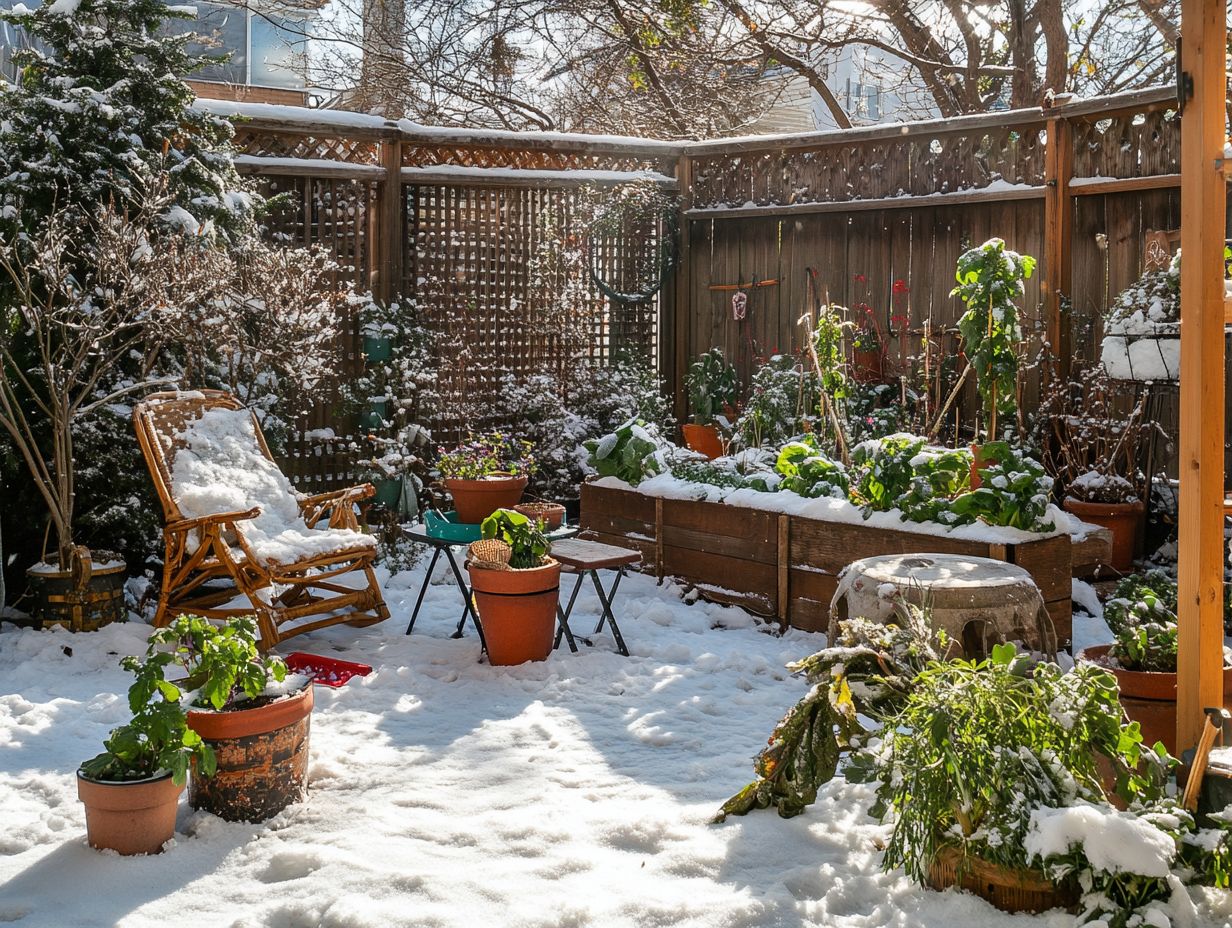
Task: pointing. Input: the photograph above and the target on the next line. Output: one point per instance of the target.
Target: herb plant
(222, 663)
(990, 280)
(487, 456)
(712, 386)
(523, 535)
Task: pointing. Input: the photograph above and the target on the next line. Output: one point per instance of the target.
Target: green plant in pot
(867, 347)
(712, 389)
(246, 708)
(516, 586)
(1141, 614)
(990, 281)
(486, 473)
(132, 789)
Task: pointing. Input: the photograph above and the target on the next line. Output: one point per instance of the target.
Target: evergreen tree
(99, 113)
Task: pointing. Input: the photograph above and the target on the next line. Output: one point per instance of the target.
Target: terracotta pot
(136, 817)
(518, 611)
(703, 439)
(1149, 698)
(978, 464)
(475, 500)
(1006, 889)
(262, 758)
(867, 366)
(1124, 520)
(552, 514)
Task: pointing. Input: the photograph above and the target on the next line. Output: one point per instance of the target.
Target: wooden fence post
(1200, 551)
(682, 310)
(390, 225)
(1058, 239)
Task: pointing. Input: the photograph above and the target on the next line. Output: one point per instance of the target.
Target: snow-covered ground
(445, 792)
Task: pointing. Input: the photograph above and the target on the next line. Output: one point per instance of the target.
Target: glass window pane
(221, 30)
(277, 51)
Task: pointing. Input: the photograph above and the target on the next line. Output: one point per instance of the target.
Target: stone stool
(978, 601)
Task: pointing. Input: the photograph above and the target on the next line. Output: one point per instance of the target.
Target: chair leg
(606, 601)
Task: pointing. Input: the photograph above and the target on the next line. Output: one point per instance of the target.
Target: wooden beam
(682, 294)
(1058, 239)
(390, 227)
(1200, 552)
(450, 175)
(957, 198)
(1095, 186)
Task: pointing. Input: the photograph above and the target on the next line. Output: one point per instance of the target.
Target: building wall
(216, 90)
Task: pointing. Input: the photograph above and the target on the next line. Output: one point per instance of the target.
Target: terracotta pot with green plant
(131, 791)
(1141, 613)
(712, 389)
(486, 473)
(251, 714)
(867, 348)
(990, 280)
(516, 586)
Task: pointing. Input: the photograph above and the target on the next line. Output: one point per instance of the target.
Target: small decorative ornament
(740, 305)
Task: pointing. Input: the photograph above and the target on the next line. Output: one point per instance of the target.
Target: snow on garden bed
(445, 792)
(221, 469)
(827, 509)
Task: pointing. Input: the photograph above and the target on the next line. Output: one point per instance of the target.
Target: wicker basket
(1006, 889)
(491, 553)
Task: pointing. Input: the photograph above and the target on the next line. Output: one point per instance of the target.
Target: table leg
(606, 601)
(562, 617)
(466, 596)
(436, 554)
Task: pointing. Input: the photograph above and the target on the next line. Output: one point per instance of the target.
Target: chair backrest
(162, 420)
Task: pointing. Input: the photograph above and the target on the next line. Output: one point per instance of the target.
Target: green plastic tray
(450, 529)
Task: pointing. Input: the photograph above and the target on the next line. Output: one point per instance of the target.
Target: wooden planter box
(786, 567)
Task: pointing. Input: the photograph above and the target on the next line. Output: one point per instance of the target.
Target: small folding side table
(581, 556)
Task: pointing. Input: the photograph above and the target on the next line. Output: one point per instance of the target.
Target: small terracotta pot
(475, 500)
(136, 817)
(1006, 889)
(1149, 697)
(262, 756)
(867, 366)
(978, 463)
(703, 438)
(518, 611)
(1124, 520)
(552, 514)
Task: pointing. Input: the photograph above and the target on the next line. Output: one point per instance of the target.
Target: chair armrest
(337, 497)
(214, 518)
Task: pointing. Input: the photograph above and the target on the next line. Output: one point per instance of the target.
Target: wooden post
(682, 294)
(389, 229)
(1058, 236)
(1200, 551)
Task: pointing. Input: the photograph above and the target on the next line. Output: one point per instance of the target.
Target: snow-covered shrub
(878, 409)
(1151, 300)
(631, 453)
(605, 396)
(783, 397)
(1094, 487)
(536, 412)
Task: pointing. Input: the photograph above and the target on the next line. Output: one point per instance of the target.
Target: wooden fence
(455, 218)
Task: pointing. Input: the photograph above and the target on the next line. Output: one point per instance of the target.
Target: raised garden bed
(785, 566)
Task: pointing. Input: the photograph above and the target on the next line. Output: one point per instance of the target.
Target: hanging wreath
(631, 241)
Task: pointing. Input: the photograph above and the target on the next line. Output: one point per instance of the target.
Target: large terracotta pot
(867, 366)
(1006, 889)
(518, 611)
(262, 758)
(1122, 519)
(704, 439)
(475, 500)
(136, 817)
(1149, 698)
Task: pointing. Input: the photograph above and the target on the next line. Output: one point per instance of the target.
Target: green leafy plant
(630, 453)
(938, 475)
(222, 664)
(808, 471)
(523, 535)
(990, 280)
(1014, 492)
(882, 470)
(978, 746)
(733, 477)
(712, 386)
(783, 398)
(1142, 599)
(487, 456)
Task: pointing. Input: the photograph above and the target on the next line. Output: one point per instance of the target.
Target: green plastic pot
(378, 347)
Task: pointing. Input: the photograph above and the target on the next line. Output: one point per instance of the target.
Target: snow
(221, 469)
(578, 175)
(1143, 357)
(829, 509)
(308, 166)
(445, 792)
(1114, 842)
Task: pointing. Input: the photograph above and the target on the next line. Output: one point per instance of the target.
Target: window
(276, 51)
(247, 47)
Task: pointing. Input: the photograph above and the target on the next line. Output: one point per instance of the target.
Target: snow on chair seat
(239, 539)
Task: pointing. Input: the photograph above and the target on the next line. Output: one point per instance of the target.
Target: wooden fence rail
(455, 218)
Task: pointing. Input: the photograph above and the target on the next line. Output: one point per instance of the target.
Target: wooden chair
(213, 558)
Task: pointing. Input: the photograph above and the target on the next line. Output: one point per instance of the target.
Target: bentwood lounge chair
(239, 539)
